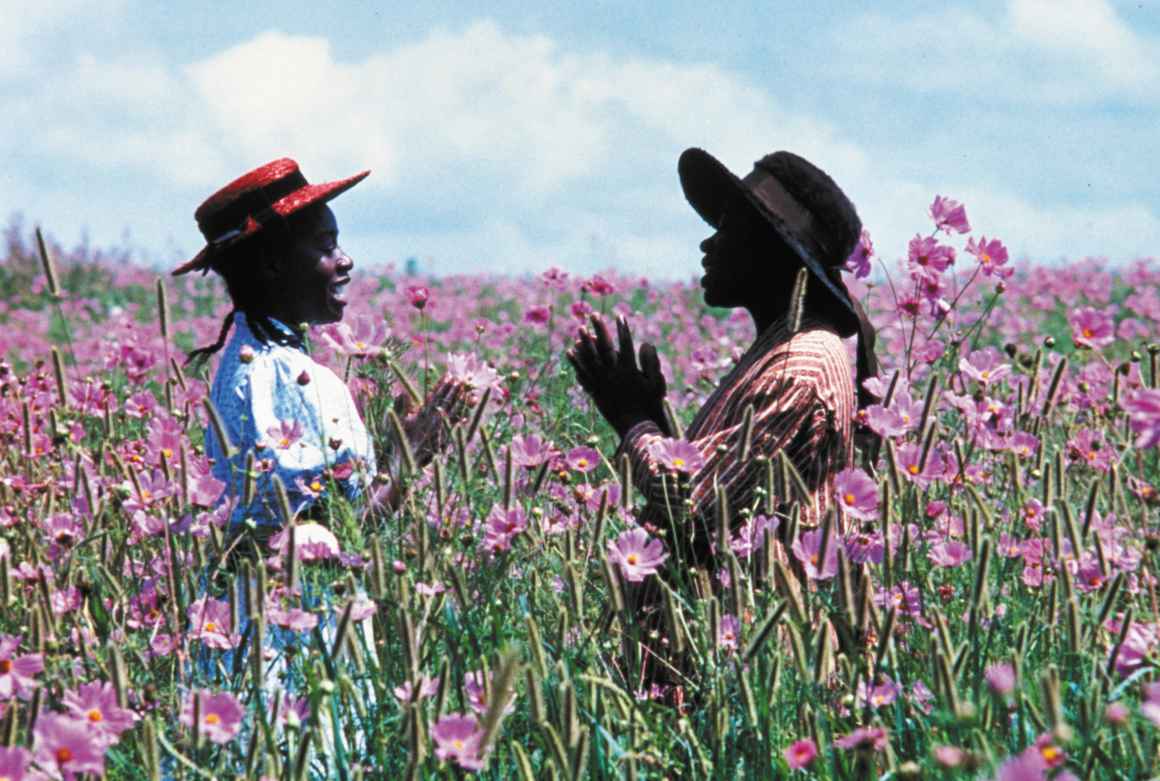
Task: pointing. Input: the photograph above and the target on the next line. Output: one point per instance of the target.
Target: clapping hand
(624, 392)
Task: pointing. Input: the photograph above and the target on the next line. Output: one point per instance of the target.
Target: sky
(513, 137)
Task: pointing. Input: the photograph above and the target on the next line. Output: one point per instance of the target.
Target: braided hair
(237, 267)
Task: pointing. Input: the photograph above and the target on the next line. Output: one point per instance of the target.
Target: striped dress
(803, 398)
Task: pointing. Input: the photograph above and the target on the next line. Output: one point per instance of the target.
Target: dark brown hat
(806, 209)
(797, 199)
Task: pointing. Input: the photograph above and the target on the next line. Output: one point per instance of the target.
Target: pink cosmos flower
(1150, 703)
(428, 687)
(295, 619)
(284, 434)
(582, 459)
(537, 315)
(17, 673)
(864, 738)
(800, 754)
(96, 703)
(1117, 714)
(984, 366)
(220, 714)
(677, 455)
(910, 464)
(531, 451)
(418, 296)
(729, 632)
(925, 255)
(210, 622)
(1025, 767)
(477, 693)
(503, 526)
(857, 494)
(949, 553)
(599, 286)
(1143, 408)
(949, 215)
(457, 738)
(1092, 328)
(637, 554)
(467, 369)
(1000, 678)
(360, 338)
(65, 746)
(992, 257)
(859, 261)
(878, 695)
(807, 550)
(949, 756)
(13, 763)
(863, 546)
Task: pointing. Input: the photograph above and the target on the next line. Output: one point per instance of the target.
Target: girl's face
(314, 274)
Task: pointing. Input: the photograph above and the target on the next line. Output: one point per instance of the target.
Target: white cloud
(1056, 52)
(490, 147)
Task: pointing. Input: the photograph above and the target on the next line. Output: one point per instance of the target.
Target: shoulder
(816, 358)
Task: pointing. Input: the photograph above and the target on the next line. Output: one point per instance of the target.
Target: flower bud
(1049, 342)
(246, 354)
(304, 378)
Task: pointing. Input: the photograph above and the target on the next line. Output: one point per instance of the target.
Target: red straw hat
(247, 204)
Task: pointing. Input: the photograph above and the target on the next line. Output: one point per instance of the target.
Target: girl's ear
(270, 265)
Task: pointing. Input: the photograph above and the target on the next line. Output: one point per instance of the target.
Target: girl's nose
(707, 244)
(344, 262)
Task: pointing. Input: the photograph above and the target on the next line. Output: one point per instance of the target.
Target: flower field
(982, 604)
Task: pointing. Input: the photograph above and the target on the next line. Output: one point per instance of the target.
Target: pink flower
(859, 261)
(864, 738)
(17, 673)
(582, 459)
(96, 703)
(1025, 767)
(1092, 328)
(362, 339)
(13, 763)
(210, 622)
(800, 754)
(949, 756)
(984, 366)
(729, 632)
(428, 687)
(1000, 678)
(477, 694)
(992, 256)
(949, 215)
(857, 494)
(1116, 714)
(65, 746)
(531, 451)
(637, 554)
(1150, 705)
(467, 369)
(418, 296)
(295, 619)
(926, 255)
(537, 315)
(457, 738)
(949, 553)
(1143, 408)
(284, 434)
(599, 286)
(503, 526)
(220, 715)
(807, 550)
(677, 455)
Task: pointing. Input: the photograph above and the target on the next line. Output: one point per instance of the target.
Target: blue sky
(509, 138)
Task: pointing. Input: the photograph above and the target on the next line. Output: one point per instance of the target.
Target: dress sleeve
(787, 416)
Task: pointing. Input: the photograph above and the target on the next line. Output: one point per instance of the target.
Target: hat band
(257, 205)
(795, 218)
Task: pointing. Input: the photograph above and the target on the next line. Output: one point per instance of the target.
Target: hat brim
(711, 189)
(302, 198)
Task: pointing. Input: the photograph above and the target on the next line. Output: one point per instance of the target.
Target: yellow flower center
(284, 442)
(848, 498)
(212, 718)
(1050, 753)
(984, 258)
(361, 345)
(167, 452)
(1088, 333)
(95, 715)
(678, 462)
(210, 626)
(63, 755)
(913, 469)
(316, 486)
(457, 744)
(985, 374)
(632, 559)
(582, 462)
(5, 666)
